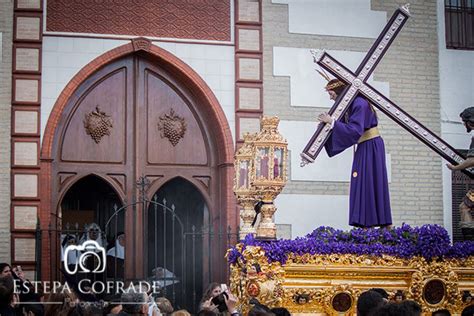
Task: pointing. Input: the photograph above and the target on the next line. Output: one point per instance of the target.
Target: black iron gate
(179, 256)
(182, 261)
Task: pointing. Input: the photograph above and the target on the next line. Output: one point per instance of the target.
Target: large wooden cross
(357, 84)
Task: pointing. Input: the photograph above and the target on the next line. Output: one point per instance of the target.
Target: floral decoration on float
(325, 271)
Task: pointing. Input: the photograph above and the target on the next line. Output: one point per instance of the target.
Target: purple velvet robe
(369, 196)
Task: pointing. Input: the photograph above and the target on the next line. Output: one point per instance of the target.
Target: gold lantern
(243, 189)
(268, 176)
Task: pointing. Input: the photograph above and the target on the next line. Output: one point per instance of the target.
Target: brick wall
(411, 68)
(6, 26)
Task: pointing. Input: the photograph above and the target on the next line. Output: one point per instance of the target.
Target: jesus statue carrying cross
(353, 121)
(369, 202)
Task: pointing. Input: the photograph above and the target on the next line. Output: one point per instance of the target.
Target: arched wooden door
(137, 117)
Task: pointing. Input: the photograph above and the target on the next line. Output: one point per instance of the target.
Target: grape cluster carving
(172, 127)
(97, 124)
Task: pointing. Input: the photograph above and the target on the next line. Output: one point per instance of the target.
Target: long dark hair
(208, 294)
(3, 265)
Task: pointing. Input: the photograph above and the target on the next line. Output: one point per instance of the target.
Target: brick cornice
(198, 20)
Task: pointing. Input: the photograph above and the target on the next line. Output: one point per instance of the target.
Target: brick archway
(212, 110)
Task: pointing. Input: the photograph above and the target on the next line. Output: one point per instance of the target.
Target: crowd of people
(375, 302)
(216, 301)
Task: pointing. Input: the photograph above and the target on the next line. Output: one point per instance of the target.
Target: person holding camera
(219, 300)
(213, 290)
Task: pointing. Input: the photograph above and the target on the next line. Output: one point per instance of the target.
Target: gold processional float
(324, 284)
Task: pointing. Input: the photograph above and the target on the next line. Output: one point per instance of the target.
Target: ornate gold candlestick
(243, 189)
(269, 175)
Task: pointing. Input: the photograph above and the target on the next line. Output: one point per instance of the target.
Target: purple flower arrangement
(428, 241)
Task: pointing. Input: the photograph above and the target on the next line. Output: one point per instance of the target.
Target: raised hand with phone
(218, 299)
(225, 301)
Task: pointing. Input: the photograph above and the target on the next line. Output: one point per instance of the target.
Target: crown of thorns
(333, 85)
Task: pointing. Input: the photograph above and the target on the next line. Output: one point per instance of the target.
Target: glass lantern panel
(243, 174)
(278, 163)
(262, 163)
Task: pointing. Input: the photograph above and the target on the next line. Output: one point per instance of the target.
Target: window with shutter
(459, 21)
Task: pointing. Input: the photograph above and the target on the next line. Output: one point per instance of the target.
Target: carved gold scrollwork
(434, 291)
(435, 285)
(416, 288)
(256, 270)
(452, 291)
(301, 299)
(331, 284)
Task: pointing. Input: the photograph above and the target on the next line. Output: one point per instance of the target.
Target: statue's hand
(325, 118)
(450, 166)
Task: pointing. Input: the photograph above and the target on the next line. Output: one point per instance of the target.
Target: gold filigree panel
(331, 284)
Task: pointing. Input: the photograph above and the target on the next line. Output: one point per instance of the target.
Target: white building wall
(312, 211)
(63, 57)
(354, 17)
(305, 81)
(456, 73)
